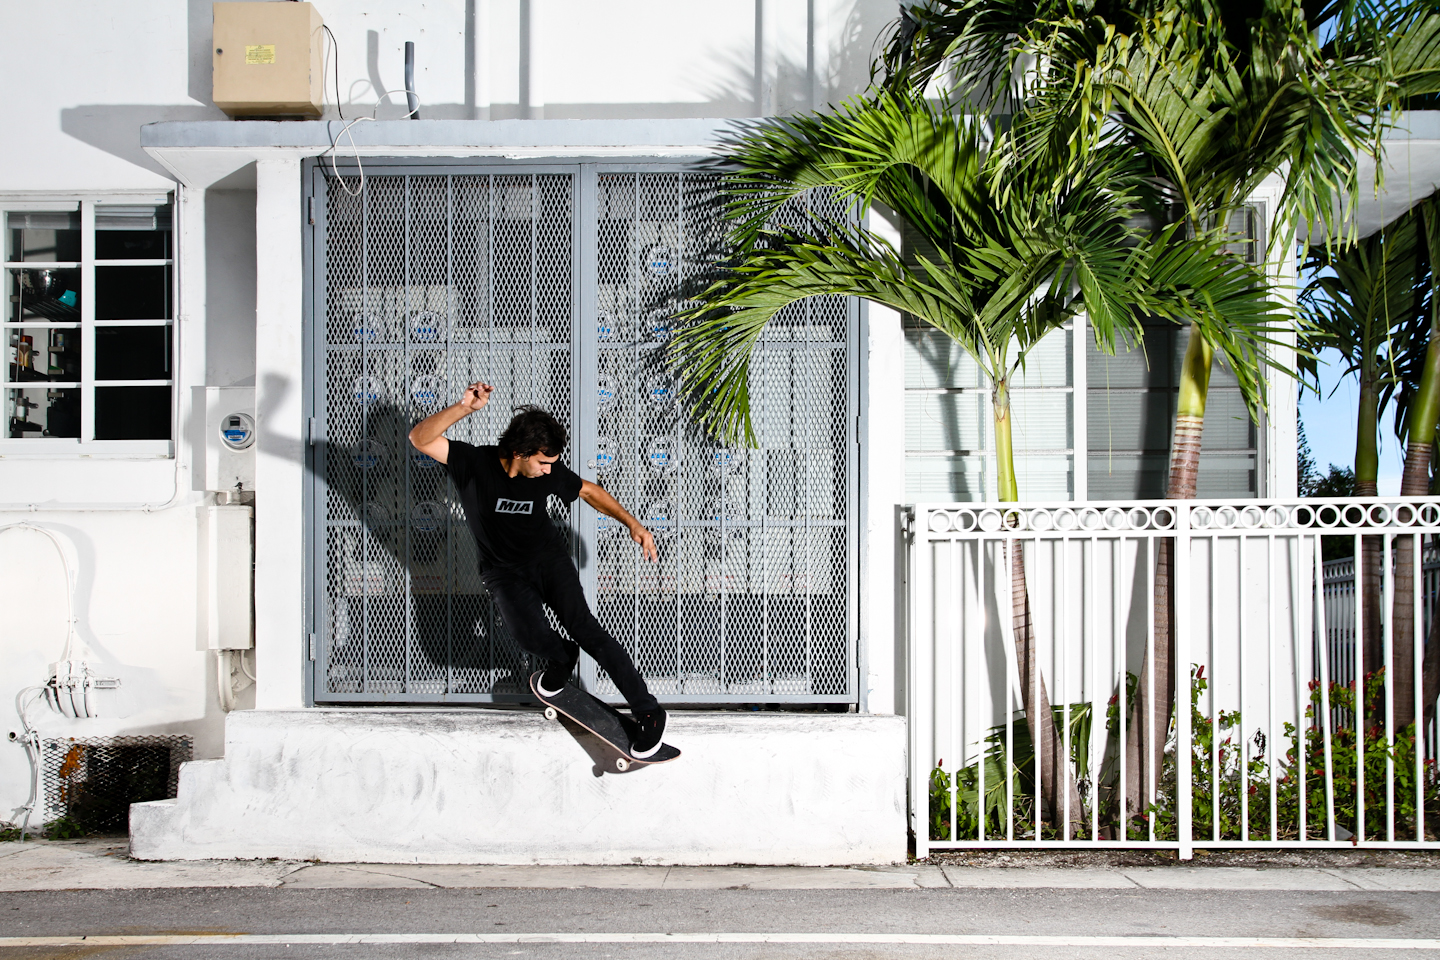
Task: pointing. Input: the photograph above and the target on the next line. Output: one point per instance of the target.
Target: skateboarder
(523, 557)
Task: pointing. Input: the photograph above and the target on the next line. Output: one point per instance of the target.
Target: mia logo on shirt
(514, 506)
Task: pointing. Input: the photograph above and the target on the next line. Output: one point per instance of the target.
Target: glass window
(88, 323)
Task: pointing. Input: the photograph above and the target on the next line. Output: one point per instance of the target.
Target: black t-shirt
(507, 514)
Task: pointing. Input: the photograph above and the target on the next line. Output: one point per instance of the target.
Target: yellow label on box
(260, 53)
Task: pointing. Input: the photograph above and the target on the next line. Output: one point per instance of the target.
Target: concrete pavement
(104, 865)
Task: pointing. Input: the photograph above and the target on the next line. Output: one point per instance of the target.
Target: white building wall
(131, 62)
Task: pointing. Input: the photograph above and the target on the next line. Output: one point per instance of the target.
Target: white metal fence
(1078, 632)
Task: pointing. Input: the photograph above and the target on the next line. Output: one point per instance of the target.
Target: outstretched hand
(643, 537)
(476, 396)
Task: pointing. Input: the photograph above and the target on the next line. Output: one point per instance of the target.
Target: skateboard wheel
(622, 764)
(551, 713)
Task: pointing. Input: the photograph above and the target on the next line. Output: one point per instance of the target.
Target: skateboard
(601, 719)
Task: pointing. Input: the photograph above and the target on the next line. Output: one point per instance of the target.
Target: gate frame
(585, 171)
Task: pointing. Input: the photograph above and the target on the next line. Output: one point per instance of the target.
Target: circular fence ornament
(367, 390)
(604, 455)
(604, 391)
(661, 455)
(363, 328)
(658, 261)
(427, 516)
(425, 327)
(427, 391)
(369, 454)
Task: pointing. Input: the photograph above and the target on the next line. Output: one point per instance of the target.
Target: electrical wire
(336, 45)
(30, 741)
(345, 132)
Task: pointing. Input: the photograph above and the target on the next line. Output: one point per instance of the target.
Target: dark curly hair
(532, 430)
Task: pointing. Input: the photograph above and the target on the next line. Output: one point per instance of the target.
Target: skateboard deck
(603, 720)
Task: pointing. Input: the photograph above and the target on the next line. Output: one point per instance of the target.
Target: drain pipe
(411, 100)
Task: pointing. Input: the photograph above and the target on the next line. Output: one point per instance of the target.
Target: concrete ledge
(503, 787)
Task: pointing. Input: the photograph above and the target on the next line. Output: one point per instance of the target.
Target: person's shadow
(406, 610)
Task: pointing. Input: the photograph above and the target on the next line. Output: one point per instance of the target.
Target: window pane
(43, 353)
(40, 237)
(132, 413)
(132, 353)
(39, 412)
(132, 233)
(44, 295)
(132, 293)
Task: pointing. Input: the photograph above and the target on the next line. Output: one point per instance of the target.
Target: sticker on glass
(724, 460)
(426, 391)
(607, 329)
(425, 327)
(657, 325)
(662, 455)
(423, 460)
(604, 455)
(427, 516)
(368, 455)
(367, 390)
(363, 328)
(376, 513)
(658, 261)
(660, 519)
(659, 390)
(723, 514)
(604, 391)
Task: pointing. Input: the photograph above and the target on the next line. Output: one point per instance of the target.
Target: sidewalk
(102, 864)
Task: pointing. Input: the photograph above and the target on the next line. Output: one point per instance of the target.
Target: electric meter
(237, 431)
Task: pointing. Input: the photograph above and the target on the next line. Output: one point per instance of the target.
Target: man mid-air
(523, 558)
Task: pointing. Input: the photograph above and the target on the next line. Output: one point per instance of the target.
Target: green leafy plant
(62, 828)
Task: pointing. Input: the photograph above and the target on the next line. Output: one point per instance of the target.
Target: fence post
(1180, 586)
(921, 657)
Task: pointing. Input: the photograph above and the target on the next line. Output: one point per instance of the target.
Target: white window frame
(86, 445)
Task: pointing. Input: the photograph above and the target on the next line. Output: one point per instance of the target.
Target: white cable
(30, 741)
(246, 670)
(345, 132)
(69, 650)
(224, 680)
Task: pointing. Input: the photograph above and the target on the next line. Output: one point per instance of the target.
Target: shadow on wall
(115, 128)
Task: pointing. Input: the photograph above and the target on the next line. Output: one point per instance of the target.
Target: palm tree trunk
(1415, 482)
(1149, 721)
(1367, 468)
(1056, 781)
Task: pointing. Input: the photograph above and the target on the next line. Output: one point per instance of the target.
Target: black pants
(520, 591)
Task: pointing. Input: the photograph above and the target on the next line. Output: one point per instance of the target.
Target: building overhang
(202, 152)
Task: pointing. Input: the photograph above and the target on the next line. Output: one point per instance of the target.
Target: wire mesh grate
(431, 282)
(92, 781)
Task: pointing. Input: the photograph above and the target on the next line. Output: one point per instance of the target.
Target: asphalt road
(1044, 923)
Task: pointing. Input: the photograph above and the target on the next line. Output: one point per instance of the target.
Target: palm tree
(1365, 301)
(1419, 409)
(1215, 97)
(1023, 237)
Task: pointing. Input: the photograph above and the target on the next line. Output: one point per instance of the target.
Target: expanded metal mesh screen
(426, 282)
(92, 781)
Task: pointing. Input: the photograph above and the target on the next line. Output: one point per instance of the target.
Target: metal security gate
(555, 283)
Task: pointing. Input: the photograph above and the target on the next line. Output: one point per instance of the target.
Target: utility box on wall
(268, 59)
(229, 439)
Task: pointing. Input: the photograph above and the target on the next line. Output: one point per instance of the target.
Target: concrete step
(448, 785)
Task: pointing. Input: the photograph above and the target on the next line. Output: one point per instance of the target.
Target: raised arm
(600, 498)
(428, 436)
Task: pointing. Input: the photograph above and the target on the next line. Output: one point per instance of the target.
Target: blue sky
(1330, 427)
